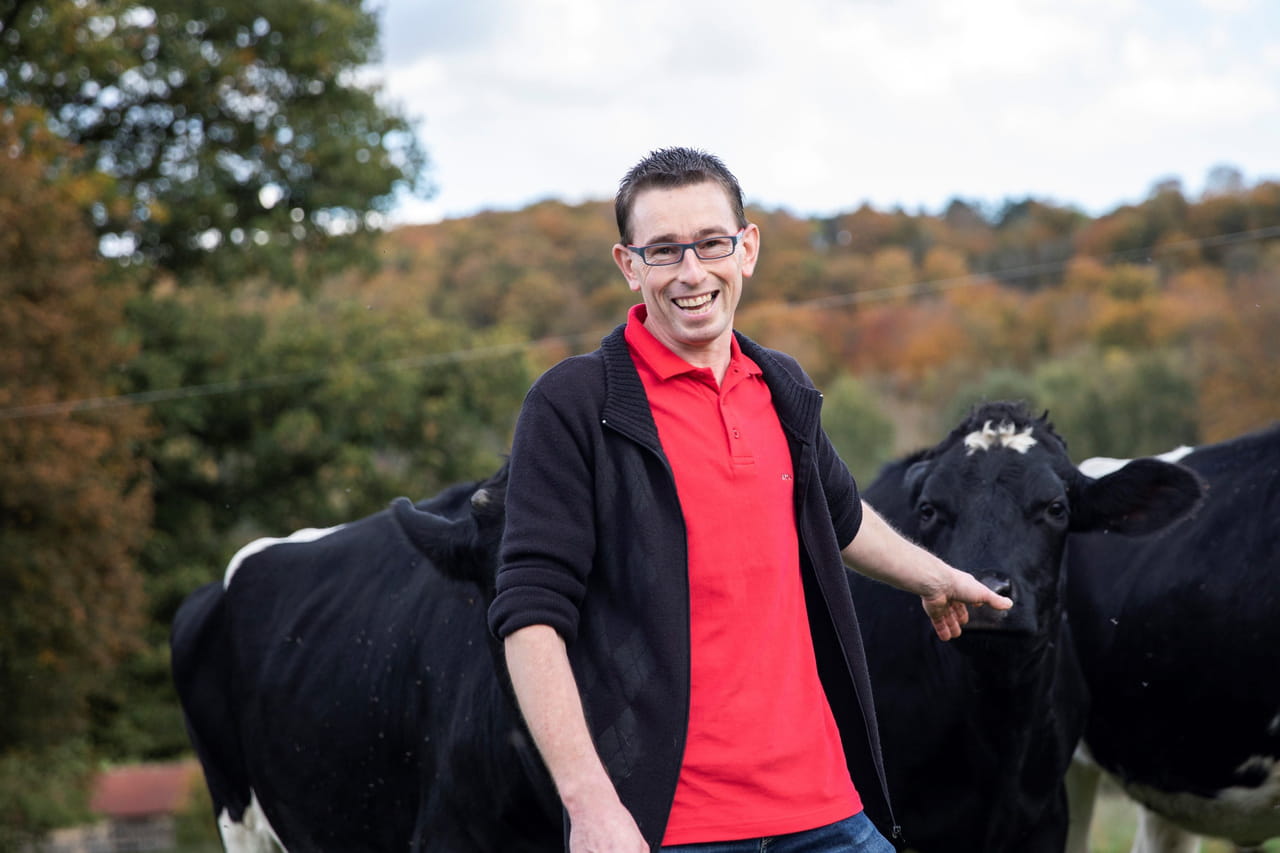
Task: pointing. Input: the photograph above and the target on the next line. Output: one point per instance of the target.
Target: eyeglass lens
(710, 249)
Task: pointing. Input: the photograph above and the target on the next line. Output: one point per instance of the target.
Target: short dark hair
(669, 168)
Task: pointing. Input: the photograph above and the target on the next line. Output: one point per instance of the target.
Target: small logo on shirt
(786, 476)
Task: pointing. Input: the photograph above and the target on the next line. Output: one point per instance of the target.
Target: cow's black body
(978, 733)
(1179, 639)
(349, 685)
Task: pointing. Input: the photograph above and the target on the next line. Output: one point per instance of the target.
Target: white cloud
(819, 105)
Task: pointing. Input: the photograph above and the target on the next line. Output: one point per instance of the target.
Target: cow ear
(913, 478)
(1142, 497)
(439, 538)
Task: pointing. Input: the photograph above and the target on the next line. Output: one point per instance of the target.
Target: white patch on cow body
(1004, 435)
(1244, 815)
(253, 834)
(306, 534)
(1100, 466)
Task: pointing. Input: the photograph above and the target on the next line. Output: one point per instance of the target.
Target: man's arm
(552, 708)
(880, 552)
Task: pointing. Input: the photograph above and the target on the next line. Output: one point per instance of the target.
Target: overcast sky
(820, 105)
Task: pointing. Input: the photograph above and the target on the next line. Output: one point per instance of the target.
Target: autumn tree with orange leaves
(74, 495)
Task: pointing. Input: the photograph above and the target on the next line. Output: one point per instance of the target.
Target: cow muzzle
(987, 618)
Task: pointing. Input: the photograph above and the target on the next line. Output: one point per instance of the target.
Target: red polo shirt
(763, 755)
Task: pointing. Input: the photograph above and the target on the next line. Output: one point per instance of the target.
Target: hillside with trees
(1140, 330)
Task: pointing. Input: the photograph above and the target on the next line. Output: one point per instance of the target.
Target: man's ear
(627, 261)
(750, 249)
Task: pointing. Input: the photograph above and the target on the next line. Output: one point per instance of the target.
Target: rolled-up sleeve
(843, 501)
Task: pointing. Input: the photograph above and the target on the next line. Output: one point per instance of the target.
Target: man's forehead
(664, 212)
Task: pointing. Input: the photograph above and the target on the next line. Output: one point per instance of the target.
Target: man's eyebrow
(714, 231)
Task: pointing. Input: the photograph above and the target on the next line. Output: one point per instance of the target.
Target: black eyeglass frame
(684, 247)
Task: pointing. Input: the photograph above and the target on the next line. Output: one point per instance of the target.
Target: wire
(913, 289)
(165, 395)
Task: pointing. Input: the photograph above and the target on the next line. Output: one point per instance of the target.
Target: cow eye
(1056, 511)
(928, 512)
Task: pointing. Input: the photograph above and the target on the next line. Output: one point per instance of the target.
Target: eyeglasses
(707, 249)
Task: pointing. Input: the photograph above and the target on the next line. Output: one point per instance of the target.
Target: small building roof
(144, 790)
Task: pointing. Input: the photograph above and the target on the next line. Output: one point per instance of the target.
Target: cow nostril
(997, 584)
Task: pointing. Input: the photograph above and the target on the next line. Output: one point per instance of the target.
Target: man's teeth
(692, 302)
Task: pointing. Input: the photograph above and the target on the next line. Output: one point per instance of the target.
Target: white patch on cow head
(307, 534)
(1004, 435)
(253, 834)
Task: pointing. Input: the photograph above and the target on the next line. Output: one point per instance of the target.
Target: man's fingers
(1000, 602)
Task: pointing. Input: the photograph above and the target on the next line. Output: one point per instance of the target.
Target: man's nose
(692, 268)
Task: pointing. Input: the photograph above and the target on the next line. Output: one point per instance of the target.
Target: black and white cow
(1179, 639)
(343, 692)
(978, 733)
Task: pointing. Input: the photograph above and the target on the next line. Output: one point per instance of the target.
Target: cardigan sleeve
(549, 538)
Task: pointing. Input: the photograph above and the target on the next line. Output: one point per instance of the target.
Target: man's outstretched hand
(947, 608)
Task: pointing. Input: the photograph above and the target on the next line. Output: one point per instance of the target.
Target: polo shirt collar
(664, 363)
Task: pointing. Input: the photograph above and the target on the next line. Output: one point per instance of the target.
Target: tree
(298, 411)
(1001, 383)
(74, 495)
(1224, 179)
(241, 134)
(1239, 384)
(860, 432)
(1118, 403)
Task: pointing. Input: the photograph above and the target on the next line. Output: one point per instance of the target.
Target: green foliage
(855, 421)
(239, 134)
(302, 412)
(996, 384)
(1120, 404)
(195, 827)
(1112, 403)
(42, 787)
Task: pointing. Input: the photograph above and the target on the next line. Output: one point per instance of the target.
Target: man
(676, 618)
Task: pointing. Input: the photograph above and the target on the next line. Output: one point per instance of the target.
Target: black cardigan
(595, 547)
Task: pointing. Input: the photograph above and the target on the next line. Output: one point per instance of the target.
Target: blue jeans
(854, 835)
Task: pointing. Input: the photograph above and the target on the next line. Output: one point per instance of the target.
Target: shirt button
(737, 434)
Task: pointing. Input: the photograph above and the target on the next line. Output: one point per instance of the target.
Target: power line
(165, 395)
(913, 289)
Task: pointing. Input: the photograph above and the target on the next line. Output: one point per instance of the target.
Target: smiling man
(676, 617)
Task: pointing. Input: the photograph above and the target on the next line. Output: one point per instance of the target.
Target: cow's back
(366, 703)
(339, 645)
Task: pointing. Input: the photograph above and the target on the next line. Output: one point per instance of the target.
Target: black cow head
(460, 531)
(999, 496)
